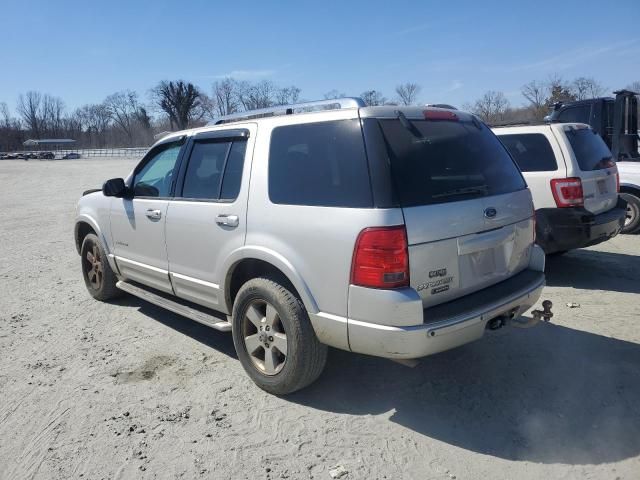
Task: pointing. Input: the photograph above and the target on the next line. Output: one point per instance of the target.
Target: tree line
(125, 119)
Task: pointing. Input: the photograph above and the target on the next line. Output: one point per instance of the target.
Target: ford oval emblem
(490, 212)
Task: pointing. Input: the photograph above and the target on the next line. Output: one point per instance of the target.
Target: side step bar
(175, 307)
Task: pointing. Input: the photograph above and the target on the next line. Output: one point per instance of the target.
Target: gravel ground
(126, 390)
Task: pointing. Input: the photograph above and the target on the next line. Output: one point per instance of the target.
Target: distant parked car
(46, 155)
(71, 156)
(574, 182)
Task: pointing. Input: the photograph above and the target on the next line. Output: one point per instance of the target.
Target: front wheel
(632, 220)
(274, 339)
(96, 271)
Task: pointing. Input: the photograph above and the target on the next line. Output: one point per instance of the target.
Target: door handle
(154, 214)
(228, 220)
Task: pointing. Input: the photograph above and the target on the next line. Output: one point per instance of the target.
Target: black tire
(557, 254)
(98, 276)
(632, 223)
(305, 356)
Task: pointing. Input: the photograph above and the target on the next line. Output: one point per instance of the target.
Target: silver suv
(395, 232)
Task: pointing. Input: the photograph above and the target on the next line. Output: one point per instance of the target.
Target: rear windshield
(589, 149)
(435, 161)
(531, 151)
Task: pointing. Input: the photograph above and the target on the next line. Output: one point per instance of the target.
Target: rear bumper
(451, 324)
(559, 229)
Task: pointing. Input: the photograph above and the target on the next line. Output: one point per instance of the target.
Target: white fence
(135, 152)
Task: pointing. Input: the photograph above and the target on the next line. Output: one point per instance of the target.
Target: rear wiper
(482, 189)
(404, 121)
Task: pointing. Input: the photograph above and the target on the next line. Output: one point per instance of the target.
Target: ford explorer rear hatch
(467, 209)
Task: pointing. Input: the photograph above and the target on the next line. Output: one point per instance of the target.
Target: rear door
(539, 157)
(207, 219)
(593, 164)
(466, 206)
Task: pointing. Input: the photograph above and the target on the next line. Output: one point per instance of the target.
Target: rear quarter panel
(318, 242)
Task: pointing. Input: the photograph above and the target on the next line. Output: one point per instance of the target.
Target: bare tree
(180, 100)
(333, 94)
(287, 95)
(634, 86)
(408, 93)
(536, 93)
(373, 98)
(586, 87)
(123, 108)
(491, 107)
(225, 97)
(253, 96)
(29, 107)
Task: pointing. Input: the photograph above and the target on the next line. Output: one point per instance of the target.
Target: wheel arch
(252, 262)
(630, 188)
(85, 225)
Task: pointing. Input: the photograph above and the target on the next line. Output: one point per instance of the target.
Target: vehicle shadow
(594, 270)
(201, 333)
(549, 394)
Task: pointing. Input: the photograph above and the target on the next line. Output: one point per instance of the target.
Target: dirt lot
(126, 390)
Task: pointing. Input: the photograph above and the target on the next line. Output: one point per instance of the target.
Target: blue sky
(455, 50)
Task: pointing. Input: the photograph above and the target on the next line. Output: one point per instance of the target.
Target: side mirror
(114, 187)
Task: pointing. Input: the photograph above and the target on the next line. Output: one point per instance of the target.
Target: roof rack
(516, 124)
(332, 104)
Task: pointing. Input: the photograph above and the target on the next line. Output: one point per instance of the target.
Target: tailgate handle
(483, 241)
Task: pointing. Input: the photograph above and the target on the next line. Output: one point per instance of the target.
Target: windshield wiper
(477, 189)
(404, 121)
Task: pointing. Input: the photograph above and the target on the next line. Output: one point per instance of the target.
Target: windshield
(446, 161)
(589, 149)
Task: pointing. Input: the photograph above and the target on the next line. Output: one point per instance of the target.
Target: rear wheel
(96, 271)
(274, 339)
(632, 220)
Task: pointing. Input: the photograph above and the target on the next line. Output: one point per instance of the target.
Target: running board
(175, 306)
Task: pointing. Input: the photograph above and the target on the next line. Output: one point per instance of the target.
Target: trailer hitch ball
(545, 314)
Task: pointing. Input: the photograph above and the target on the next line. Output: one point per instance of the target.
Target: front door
(138, 222)
(207, 219)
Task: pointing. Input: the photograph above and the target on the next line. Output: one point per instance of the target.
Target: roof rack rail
(332, 104)
(516, 124)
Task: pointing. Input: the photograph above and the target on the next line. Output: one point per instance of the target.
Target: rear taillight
(567, 192)
(617, 174)
(381, 258)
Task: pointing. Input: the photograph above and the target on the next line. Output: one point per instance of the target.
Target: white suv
(573, 180)
(396, 232)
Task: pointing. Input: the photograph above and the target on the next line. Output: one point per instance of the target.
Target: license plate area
(602, 187)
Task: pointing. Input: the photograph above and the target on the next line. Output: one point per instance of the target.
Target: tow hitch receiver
(536, 315)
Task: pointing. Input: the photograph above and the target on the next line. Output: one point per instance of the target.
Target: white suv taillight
(381, 258)
(567, 192)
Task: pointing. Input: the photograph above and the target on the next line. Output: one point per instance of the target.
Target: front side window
(319, 164)
(154, 178)
(531, 151)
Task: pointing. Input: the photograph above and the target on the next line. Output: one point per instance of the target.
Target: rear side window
(589, 149)
(578, 114)
(447, 161)
(531, 151)
(319, 164)
(214, 170)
